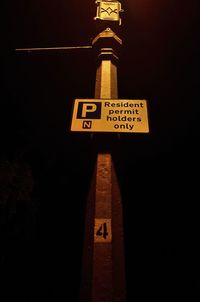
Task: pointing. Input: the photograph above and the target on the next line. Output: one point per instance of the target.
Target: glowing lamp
(108, 10)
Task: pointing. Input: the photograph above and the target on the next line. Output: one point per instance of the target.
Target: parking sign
(106, 115)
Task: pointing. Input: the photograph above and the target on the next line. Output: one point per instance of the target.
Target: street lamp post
(103, 265)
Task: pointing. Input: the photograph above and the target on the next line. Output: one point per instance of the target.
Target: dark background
(45, 170)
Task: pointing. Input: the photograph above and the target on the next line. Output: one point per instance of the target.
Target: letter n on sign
(87, 124)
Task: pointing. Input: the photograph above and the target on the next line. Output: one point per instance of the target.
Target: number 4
(102, 230)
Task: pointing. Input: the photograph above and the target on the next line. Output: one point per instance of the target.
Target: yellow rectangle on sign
(106, 115)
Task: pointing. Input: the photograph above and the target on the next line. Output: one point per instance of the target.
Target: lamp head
(108, 10)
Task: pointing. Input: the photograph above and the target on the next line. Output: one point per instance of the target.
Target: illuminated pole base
(103, 277)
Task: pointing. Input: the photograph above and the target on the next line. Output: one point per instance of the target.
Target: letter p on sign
(89, 110)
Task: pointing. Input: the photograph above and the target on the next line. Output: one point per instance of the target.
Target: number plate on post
(102, 231)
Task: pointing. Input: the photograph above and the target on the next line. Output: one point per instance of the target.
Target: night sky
(42, 227)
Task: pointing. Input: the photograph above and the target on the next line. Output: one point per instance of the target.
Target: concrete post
(103, 278)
